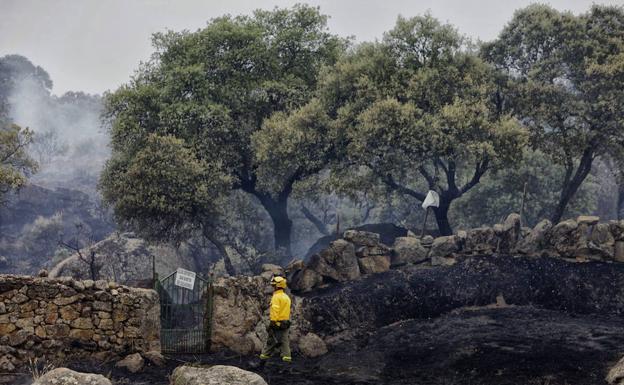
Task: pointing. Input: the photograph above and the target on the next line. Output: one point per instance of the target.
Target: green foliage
(226, 91)
(42, 236)
(164, 191)
(566, 85)
(15, 163)
(501, 193)
(289, 146)
(421, 103)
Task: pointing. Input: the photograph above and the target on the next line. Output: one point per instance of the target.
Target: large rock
(240, 304)
(133, 363)
(312, 345)
(362, 238)
(64, 376)
(445, 246)
(305, 280)
(275, 269)
(371, 251)
(535, 240)
(408, 250)
(374, 264)
(617, 230)
(337, 263)
(215, 375)
(589, 220)
(601, 241)
(565, 238)
(269, 270)
(154, 357)
(481, 240)
(619, 251)
(127, 259)
(509, 234)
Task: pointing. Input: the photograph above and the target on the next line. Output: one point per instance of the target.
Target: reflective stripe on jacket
(280, 306)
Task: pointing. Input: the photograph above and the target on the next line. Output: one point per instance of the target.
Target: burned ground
(485, 320)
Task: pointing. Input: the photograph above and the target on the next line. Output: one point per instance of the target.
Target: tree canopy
(565, 84)
(254, 111)
(421, 105)
(15, 163)
(234, 94)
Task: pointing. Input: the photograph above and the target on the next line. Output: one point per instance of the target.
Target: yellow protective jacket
(280, 306)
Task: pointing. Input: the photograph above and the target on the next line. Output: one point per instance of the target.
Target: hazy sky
(95, 45)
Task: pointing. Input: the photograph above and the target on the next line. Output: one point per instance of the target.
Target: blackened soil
(437, 326)
(514, 345)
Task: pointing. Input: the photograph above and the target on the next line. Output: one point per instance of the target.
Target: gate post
(208, 312)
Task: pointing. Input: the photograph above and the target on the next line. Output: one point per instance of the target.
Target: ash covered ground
(485, 320)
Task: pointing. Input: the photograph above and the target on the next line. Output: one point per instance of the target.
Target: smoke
(69, 142)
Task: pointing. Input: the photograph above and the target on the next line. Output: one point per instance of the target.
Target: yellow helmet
(278, 282)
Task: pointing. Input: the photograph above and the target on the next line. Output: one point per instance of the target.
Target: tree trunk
(441, 215)
(620, 201)
(227, 262)
(571, 186)
(277, 208)
(282, 225)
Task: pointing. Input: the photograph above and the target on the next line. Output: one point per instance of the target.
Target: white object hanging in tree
(431, 200)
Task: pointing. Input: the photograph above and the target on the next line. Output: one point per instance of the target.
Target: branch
(320, 226)
(75, 249)
(430, 179)
(389, 180)
(480, 169)
(369, 208)
(210, 236)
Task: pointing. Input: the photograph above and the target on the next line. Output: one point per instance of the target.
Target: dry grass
(38, 368)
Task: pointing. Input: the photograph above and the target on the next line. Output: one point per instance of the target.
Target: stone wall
(355, 290)
(361, 253)
(60, 319)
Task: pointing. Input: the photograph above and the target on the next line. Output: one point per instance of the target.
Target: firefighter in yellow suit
(280, 322)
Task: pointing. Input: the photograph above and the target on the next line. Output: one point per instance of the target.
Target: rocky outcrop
(127, 259)
(214, 375)
(64, 376)
(57, 319)
(359, 253)
(388, 233)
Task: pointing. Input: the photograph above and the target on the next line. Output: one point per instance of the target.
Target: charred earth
(484, 320)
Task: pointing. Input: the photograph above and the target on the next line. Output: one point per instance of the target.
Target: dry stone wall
(60, 319)
(361, 253)
(358, 284)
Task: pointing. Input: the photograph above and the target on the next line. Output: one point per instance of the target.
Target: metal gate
(185, 315)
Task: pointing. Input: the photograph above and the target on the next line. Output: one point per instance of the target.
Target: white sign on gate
(185, 278)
